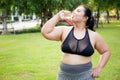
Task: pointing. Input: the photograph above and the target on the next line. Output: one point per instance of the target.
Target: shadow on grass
(113, 25)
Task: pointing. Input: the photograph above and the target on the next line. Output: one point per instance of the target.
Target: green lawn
(31, 57)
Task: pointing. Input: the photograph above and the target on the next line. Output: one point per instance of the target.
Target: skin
(50, 32)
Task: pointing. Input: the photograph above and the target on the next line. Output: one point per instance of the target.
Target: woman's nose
(74, 12)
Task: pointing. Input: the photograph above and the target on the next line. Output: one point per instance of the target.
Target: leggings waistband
(75, 69)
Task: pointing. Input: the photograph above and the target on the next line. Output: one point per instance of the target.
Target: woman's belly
(74, 59)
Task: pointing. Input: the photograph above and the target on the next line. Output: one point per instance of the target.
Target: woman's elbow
(43, 34)
(107, 52)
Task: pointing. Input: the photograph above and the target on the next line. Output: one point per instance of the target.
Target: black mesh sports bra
(82, 46)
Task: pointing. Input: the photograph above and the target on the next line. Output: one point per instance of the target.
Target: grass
(31, 57)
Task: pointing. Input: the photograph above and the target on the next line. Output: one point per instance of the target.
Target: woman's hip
(75, 72)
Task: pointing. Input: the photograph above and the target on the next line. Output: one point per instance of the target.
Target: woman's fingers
(96, 72)
(64, 14)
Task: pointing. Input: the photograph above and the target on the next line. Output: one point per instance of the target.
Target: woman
(78, 44)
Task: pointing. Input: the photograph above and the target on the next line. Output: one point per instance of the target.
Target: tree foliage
(45, 9)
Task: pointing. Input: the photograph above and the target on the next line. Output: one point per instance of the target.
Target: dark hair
(91, 21)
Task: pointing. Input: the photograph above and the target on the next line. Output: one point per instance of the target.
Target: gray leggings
(75, 72)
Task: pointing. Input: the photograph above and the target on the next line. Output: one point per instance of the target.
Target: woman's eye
(78, 10)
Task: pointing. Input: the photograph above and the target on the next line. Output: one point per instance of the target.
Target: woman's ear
(86, 18)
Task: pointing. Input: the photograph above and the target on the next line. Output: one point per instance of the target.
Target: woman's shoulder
(65, 30)
(93, 32)
(96, 35)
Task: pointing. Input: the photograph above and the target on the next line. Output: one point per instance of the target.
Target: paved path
(21, 25)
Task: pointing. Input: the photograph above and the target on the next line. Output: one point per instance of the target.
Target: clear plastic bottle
(67, 16)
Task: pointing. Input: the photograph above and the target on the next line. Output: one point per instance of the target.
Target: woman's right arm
(49, 31)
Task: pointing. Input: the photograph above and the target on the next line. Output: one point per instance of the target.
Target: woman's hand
(96, 72)
(63, 14)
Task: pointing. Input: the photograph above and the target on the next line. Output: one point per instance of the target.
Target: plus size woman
(79, 42)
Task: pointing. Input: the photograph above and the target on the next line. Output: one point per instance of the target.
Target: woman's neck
(79, 26)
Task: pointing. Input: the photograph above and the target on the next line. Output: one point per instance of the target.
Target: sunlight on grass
(118, 25)
(32, 57)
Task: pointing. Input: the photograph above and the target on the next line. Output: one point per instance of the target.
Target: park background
(26, 55)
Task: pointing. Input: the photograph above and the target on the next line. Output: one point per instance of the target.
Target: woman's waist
(75, 69)
(74, 59)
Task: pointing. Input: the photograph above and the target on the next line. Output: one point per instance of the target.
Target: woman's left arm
(103, 49)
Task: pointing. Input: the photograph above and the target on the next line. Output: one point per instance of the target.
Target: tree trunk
(117, 12)
(97, 17)
(42, 21)
(46, 15)
(108, 17)
(42, 18)
(5, 30)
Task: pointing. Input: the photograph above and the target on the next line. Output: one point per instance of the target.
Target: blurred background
(40, 11)
(26, 55)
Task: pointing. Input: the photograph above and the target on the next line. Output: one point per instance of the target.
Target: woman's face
(78, 14)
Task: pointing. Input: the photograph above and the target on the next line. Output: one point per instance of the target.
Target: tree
(102, 5)
(5, 8)
(45, 9)
(116, 5)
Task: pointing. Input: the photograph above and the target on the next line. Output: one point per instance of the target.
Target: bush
(30, 30)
